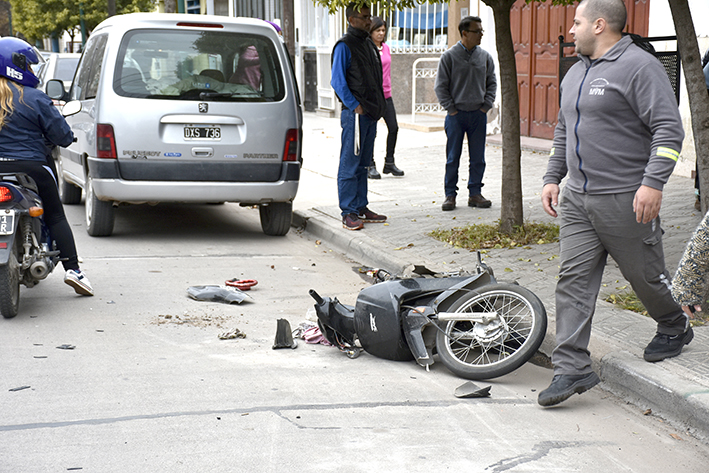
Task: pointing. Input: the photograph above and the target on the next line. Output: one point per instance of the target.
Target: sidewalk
(676, 389)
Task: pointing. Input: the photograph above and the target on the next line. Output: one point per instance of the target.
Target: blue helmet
(16, 57)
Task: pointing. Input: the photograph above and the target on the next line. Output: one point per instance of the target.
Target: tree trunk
(170, 6)
(696, 90)
(111, 7)
(511, 213)
(289, 28)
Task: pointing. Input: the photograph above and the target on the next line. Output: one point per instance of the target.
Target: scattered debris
(195, 320)
(230, 335)
(311, 333)
(66, 346)
(284, 335)
(676, 437)
(647, 412)
(241, 284)
(20, 388)
(471, 389)
(224, 294)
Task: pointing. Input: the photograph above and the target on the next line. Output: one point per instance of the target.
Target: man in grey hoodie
(617, 139)
(466, 87)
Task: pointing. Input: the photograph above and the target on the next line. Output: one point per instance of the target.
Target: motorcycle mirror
(71, 108)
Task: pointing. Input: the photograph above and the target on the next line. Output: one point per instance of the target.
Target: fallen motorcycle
(27, 253)
(479, 328)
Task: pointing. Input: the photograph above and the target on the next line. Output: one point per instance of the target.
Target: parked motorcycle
(27, 253)
(479, 328)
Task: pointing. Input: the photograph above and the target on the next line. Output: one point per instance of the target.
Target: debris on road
(311, 333)
(232, 334)
(224, 294)
(19, 388)
(471, 389)
(284, 335)
(66, 346)
(241, 284)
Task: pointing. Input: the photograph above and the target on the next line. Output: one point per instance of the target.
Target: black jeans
(393, 127)
(44, 174)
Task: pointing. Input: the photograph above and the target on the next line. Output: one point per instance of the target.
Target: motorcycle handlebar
(316, 296)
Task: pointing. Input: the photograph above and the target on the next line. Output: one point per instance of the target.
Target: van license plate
(203, 133)
(7, 221)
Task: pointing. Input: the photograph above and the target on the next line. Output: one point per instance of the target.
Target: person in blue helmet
(29, 126)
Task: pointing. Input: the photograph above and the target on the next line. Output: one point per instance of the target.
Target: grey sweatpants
(592, 227)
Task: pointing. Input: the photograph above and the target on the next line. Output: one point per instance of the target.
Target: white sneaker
(79, 282)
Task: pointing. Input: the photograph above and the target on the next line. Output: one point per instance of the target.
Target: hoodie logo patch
(598, 86)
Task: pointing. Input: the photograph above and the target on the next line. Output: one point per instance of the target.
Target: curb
(647, 385)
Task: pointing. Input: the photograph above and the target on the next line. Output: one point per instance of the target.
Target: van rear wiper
(214, 95)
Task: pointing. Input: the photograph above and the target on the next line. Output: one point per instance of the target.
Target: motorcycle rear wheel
(10, 285)
(475, 350)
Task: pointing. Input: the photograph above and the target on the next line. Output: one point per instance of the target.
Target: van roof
(140, 20)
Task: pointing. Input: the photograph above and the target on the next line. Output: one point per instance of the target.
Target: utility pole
(289, 28)
(83, 25)
(111, 7)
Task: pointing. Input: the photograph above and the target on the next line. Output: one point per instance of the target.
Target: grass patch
(629, 301)
(482, 235)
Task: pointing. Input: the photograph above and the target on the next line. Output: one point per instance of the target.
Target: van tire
(69, 194)
(99, 214)
(276, 218)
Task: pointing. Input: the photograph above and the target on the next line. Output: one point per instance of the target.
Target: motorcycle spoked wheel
(473, 350)
(10, 284)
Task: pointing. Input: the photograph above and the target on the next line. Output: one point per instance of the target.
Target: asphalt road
(150, 387)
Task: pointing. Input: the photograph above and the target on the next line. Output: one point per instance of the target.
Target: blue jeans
(352, 173)
(456, 126)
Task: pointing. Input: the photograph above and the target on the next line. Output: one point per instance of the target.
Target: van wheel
(276, 218)
(99, 214)
(68, 192)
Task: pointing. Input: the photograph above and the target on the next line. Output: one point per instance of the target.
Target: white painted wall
(661, 25)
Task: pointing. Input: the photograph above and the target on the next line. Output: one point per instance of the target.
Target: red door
(535, 32)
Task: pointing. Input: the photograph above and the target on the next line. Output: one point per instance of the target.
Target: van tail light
(105, 141)
(5, 194)
(290, 153)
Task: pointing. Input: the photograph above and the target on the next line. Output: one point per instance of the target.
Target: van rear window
(198, 65)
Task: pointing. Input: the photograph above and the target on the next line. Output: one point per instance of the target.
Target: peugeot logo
(203, 108)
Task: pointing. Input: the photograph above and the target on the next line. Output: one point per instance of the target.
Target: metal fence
(423, 29)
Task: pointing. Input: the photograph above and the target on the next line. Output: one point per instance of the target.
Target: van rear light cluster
(200, 25)
(5, 194)
(290, 153)
(105, 142)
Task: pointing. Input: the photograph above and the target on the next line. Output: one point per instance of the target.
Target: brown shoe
(352, 222)
(479, 201)
(449, 203)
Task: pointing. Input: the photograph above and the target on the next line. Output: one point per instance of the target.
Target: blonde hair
(6, 95)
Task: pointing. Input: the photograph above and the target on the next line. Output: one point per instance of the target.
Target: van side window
(89, 70)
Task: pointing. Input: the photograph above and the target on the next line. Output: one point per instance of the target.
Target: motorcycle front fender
(413, 323)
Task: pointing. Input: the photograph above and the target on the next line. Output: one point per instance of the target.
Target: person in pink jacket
(378, 32)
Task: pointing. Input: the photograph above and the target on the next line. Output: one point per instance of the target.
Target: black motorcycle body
(26, 251)
(479, 328)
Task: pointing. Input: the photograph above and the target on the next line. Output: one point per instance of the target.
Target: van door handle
(202, 152)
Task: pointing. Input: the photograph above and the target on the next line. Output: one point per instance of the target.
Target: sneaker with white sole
(79, 282)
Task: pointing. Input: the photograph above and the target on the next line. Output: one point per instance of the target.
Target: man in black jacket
(357, 81)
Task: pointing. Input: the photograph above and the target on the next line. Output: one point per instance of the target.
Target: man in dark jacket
(357, 81)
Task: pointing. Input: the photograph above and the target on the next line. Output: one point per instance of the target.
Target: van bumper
(194, 192)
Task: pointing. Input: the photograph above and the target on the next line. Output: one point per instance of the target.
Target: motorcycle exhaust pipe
(39, 270)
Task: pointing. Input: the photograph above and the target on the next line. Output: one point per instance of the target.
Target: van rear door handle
(202, 152)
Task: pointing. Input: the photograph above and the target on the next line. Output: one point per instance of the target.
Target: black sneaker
(352, 222)
(563, 386)
(666, 346)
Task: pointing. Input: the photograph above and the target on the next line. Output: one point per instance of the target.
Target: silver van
(183, 108)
